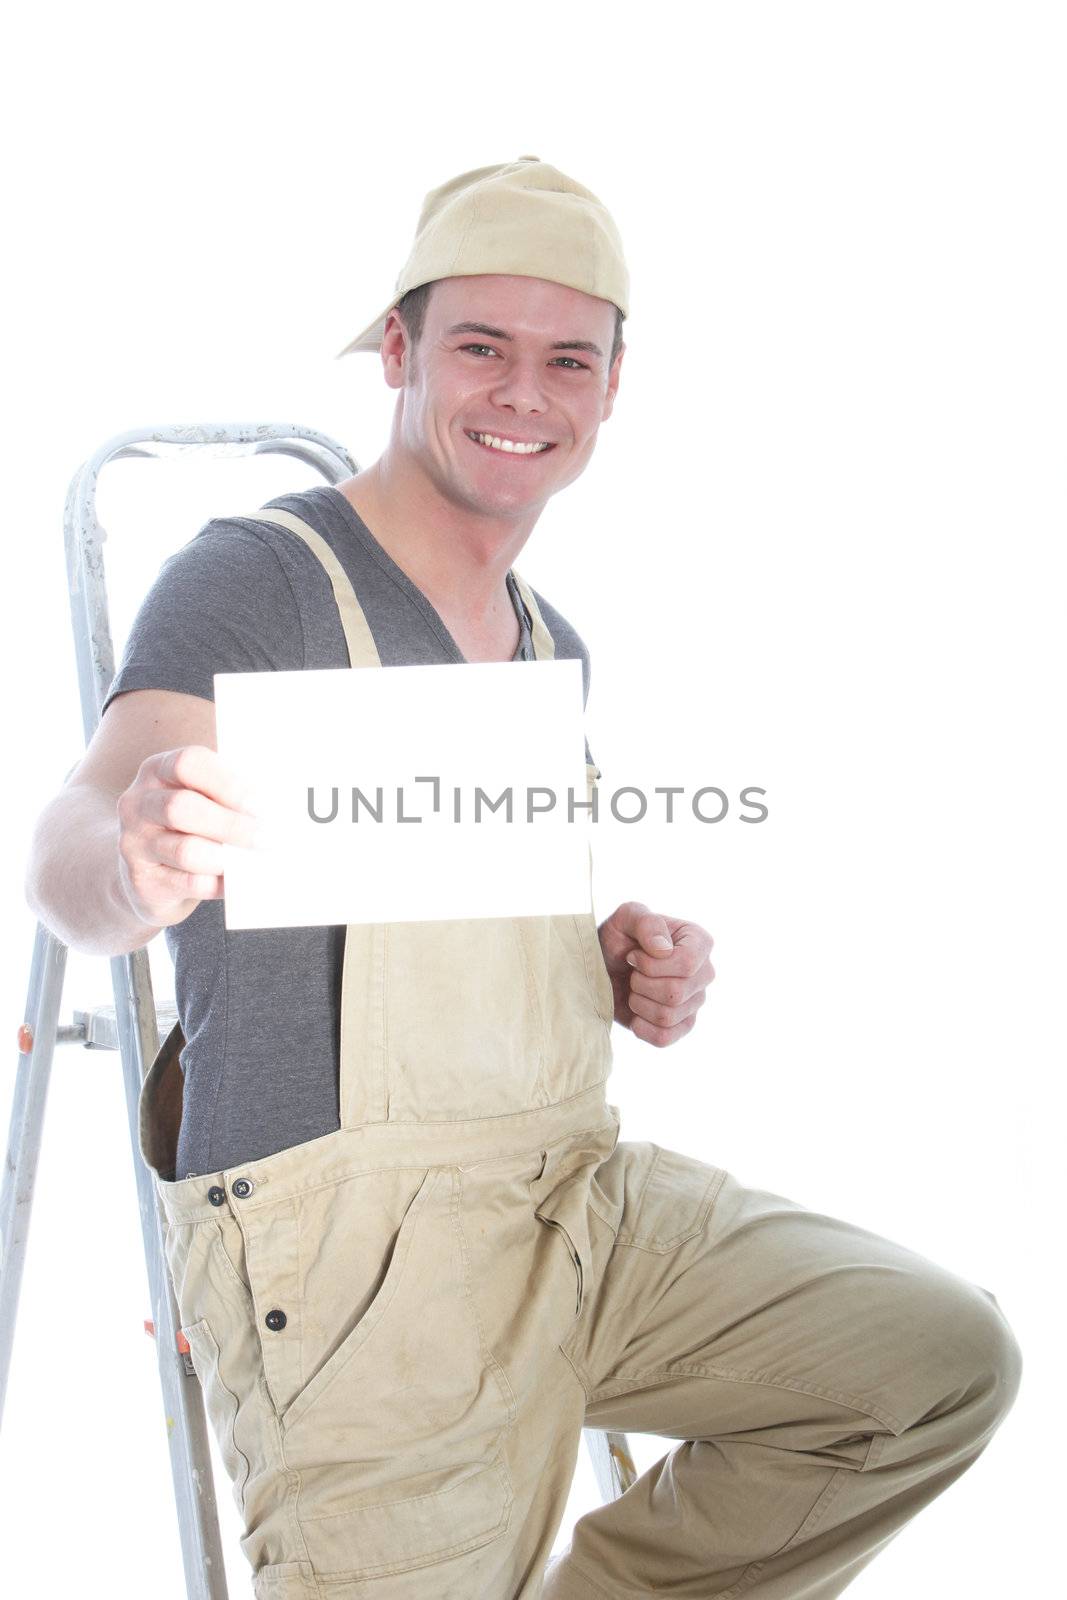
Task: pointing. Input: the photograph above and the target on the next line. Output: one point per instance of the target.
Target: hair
(412, 310)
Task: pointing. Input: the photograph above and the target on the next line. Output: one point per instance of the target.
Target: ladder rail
(84, 537)
(37, 1040)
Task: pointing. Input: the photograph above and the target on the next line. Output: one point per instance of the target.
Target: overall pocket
(398, 1435)
(565, 1210)
(221, 1404)
(217, 1319)
(463, 1032)
(562, 1193)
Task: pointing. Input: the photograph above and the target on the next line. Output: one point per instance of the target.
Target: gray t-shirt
(260, 1008)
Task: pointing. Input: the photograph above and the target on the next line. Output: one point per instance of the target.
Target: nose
(519, 389)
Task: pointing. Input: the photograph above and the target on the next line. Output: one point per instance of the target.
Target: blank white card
(413, 793)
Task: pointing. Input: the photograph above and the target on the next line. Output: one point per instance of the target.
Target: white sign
(383, 793)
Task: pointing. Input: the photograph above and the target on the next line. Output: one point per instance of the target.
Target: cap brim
(371, 337)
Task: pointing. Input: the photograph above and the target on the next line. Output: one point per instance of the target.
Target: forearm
(73, 881)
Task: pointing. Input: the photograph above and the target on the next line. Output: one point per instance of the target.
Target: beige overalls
(401, 1327)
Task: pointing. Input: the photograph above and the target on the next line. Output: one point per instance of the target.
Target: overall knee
(1001, 1366)
(962, 1352)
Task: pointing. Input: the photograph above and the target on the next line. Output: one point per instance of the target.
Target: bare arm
(133, 841)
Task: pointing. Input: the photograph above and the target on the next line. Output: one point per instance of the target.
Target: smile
(492, 441)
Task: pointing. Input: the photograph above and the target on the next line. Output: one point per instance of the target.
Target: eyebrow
(498, 333)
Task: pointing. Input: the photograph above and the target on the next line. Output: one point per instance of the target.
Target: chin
(498, 502)
(496, 507)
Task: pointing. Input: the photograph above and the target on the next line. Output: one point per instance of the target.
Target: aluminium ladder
(134, 1024)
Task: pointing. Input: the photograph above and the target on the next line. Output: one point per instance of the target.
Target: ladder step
(99, 1028)
(66, 1033)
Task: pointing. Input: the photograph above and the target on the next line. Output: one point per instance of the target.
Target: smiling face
(504, 392)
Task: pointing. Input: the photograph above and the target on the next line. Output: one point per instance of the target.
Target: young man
(411, 1255)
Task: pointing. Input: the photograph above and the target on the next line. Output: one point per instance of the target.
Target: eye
(573, 364)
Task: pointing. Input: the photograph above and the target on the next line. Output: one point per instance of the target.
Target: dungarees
(401, 1327)
(370, 1312)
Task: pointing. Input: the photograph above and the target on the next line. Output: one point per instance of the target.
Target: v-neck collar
(524, 650)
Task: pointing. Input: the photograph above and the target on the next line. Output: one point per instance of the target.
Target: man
(411, 1255)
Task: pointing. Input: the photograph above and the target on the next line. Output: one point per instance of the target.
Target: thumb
(644, 927)
(654, 935)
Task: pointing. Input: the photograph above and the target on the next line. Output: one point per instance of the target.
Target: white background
(818, 549)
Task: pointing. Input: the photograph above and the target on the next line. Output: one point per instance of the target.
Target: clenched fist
(659, 971)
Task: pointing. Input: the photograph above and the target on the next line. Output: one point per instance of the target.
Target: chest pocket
(488, 1016)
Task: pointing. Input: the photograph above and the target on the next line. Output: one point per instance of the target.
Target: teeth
(494, 443)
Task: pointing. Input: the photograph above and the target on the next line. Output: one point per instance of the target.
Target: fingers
(666, 991)
(196, 766)
(690, 949)
(188, 811)
(673, 990)
(187, 854)
(183, 807)
(634, 923)
(161, 895)
(660, 1037)
(180, 887)
(662, 1016)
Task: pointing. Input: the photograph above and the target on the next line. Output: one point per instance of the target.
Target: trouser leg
(826, 1384)
(381, 1364)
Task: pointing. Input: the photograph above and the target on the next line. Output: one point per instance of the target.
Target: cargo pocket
(221, 1405)
(288, 1580)
(376, 1540)
(398, 1437)
(668, 1196)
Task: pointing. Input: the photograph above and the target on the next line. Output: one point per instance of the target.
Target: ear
(396, 352)
(613, 384)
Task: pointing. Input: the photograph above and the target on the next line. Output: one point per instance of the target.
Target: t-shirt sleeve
(222, 603)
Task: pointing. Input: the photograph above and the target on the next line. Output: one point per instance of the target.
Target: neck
(458, 558)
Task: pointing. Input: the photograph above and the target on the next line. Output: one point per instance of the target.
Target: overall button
(216, 1195)
(242, 1188)
(275, 1320)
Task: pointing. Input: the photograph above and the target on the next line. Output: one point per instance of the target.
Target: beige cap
(523, 217)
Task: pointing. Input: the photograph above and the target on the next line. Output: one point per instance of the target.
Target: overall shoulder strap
(362, 651)
(544, 645)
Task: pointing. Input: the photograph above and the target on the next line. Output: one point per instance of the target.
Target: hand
(659, 971)
(173, 820)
